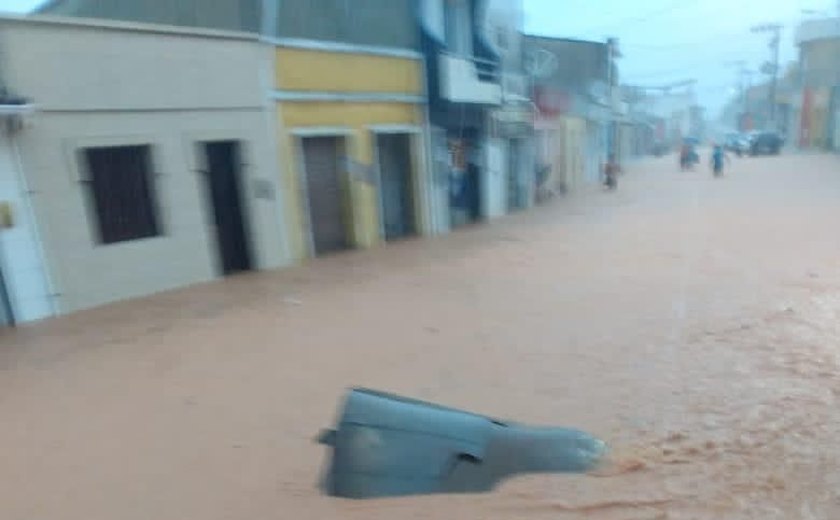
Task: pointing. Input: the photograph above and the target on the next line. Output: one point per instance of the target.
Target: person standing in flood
(684, 157)
(611, 171)
(718, 158)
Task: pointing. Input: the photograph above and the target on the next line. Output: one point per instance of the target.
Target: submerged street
(691, 322)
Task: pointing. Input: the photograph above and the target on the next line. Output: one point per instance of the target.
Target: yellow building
(350, 130)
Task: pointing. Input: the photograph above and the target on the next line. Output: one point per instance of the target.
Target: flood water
(690, 322)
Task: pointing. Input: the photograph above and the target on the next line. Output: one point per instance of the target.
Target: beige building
(149, 157)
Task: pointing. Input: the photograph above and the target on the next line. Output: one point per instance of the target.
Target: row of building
(812, 103)
(803, 104)
(146, 146)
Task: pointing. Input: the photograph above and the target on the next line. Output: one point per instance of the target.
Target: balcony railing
(514, 87)
(469, 80)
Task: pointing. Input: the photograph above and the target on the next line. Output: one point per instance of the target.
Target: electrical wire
(682, 45)
(684, 70)
(644, 18)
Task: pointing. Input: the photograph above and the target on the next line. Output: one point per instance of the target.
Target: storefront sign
(551, 102)
(512, 122)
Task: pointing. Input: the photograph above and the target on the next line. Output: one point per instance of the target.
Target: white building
(25, 288)
(147, 163)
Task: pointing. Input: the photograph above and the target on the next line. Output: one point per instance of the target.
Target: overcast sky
(666, 40)
(19, 6)
(662, 40)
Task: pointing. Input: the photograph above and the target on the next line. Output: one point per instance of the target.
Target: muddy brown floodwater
(691, 322)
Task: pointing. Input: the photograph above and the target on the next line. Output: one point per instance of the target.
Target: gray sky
(18, 6)
(667, 40)
(662, 40)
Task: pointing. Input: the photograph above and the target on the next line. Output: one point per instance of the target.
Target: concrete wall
(596, 150)
(342, 77)
(65, 66)
(233, 15)
(820, 63)
(504, 23)
(310, 70)
(563, 148)
(21, 257)
(579, 66)
(814, 30)
(494, 178)
(439, 185)
(819, 117)
(574, 156)
(387, 23)
(433, 17)
(101, 86)
(675, 108)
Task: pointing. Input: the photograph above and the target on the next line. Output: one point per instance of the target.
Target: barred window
(122, 190)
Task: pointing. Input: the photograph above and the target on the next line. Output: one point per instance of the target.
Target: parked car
(737, 142)
(766, 143)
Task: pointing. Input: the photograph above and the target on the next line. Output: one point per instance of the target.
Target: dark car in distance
(766, 143)
(737, 142)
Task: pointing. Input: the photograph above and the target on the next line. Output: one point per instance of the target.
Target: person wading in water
(611, 171)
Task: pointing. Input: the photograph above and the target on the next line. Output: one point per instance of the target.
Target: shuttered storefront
(325, 194)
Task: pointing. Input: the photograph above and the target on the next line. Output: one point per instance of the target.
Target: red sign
(551, 102)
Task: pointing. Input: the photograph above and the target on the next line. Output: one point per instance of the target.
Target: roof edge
(562, 39)
(117, 25)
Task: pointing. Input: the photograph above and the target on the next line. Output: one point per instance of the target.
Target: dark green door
(396, 186)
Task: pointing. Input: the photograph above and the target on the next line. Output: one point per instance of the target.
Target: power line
(687, 69)
(644, 18)
(674, 46)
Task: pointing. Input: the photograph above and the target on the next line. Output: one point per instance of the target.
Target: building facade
(464, 70)
(511, 137)
(172, 143)
(350, 105)
(674, 109)
(572, 95)
(818, 104)
(226, 15)
(25, 289)
(147, 159)
(347, 89)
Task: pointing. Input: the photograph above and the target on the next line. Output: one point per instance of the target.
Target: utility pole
(773, 68)
(613, 146)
